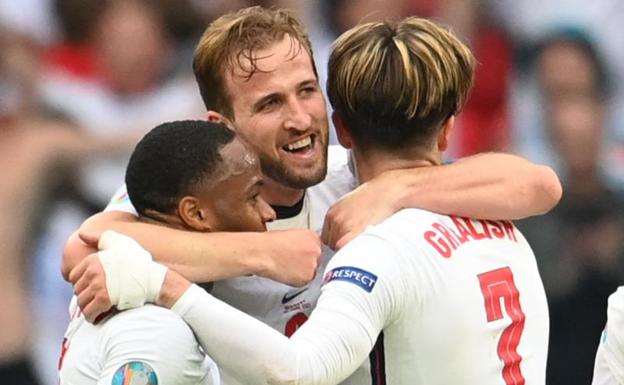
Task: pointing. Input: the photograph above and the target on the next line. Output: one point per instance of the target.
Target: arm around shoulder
(289, 256)
(487, 186)
(76, 249)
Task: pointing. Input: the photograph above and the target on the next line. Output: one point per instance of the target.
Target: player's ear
(343, 135)
(193, 214)
(215, 117)
(444, 137)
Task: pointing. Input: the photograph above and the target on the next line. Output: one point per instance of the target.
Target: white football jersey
(285, 308)
(281, 306)
(149, 344)
(609, 365)
(424, 298)
(461, 301)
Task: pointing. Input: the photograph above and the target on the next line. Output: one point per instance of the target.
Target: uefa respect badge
(362, 278)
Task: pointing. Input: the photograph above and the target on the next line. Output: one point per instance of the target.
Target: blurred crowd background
(82, 80)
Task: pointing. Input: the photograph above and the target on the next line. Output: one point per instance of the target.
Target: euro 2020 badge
(135, 373)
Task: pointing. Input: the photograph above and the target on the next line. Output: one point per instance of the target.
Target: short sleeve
(154, 346)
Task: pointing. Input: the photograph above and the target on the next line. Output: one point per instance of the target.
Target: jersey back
(467, 304)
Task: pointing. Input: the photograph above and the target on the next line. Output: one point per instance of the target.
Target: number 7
(497, 284)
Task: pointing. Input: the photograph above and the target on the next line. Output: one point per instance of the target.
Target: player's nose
(298, 117)
(266, 211)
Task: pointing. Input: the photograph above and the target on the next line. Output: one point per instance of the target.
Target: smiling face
(231, 201)
(280, 111)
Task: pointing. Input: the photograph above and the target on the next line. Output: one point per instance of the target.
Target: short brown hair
(234, 37)
(395, 83)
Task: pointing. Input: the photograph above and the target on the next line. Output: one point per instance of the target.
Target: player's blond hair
(233, 40)
(395, 83)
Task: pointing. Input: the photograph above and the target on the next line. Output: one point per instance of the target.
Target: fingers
(78, 271)
(344, 240)
(84, 299)
(94, 310)
(93, 302)
(326, 231)
(81, 285)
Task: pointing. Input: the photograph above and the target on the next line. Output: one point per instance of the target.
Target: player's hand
(75, 251)
(123, 270)
(89, 281)
(294, 259)
(369, 204)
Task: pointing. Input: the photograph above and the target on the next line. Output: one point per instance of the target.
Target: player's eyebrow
(260, 102)
(308, 83)
(255, 184)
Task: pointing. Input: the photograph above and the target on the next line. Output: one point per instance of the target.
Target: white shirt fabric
(155, 338)
(418, 288)
(609, 365)
(284, 307)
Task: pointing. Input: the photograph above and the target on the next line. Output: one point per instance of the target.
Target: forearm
(200, 257)
(325, 350)
(487, 186)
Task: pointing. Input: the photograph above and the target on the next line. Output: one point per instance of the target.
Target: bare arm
(487, 186)
(287, 256)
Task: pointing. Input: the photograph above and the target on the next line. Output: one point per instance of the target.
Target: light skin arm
(326, 349)
(486, 186)
(287, 256)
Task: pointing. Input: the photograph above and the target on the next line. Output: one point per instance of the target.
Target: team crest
(135, 373)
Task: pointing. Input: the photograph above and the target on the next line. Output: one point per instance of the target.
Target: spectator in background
(132, 85)
(527, 22)
(36, 151)
(116, 72)
(580, 244)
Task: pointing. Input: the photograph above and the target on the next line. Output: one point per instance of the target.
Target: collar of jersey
(285, 212)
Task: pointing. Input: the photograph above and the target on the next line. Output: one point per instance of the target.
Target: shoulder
(149, 326)
(155, 341)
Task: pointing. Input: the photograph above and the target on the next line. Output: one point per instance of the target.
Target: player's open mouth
(301, 146)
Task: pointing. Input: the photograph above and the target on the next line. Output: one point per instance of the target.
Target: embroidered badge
(135, 373)
(359, 277)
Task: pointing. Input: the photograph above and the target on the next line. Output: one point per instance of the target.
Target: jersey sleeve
(158, 349)
(609, 364)
(356, 303)
(121, 202)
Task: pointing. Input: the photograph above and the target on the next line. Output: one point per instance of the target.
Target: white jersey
(281, 306)
(285, 308)
(609, 365)
(437, 299)
(148, 344)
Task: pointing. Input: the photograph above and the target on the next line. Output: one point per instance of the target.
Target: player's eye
(269, 104)
(307, 91)
(254, 199)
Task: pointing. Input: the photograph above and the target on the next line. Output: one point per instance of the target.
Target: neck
(168, 220)
(373, 163)
(276, 194)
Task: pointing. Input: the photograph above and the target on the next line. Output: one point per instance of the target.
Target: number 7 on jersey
(497, 284)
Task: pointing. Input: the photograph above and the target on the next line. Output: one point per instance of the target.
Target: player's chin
(304, 178)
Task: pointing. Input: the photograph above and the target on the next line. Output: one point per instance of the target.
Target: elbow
(547, 189)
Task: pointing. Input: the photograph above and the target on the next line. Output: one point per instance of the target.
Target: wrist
(400, 198)
(259, 261)
(172, 289)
